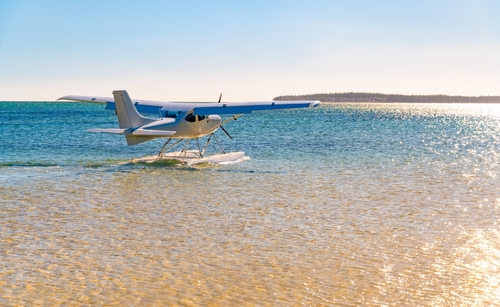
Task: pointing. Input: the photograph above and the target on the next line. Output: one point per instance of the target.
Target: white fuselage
(186, 125)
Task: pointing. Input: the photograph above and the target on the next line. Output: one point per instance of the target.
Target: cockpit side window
(191, 118)
(201, 117)
(171, 114)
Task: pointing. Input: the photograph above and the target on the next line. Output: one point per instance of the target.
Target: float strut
(219, 144)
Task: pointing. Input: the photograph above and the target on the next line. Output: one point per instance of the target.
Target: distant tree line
(375, 97)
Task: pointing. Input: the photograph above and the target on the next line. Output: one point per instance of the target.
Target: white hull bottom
(191, 157)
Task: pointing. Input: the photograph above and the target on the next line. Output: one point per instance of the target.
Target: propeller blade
(234, 117)
(220, 97)
(223, 129)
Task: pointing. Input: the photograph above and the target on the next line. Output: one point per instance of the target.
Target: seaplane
(179, 121)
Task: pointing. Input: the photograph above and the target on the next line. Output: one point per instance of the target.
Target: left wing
(200, 108)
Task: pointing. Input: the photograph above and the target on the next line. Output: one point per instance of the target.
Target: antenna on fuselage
(220, 97)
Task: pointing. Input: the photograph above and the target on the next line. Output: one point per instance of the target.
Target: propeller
(234, 117)
(225, 131)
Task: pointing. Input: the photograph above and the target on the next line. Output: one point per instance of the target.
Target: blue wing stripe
(110, 105)
(222, 110)
(280, 106)
(234, 109)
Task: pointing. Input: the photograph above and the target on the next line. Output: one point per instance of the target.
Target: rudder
(128, 117)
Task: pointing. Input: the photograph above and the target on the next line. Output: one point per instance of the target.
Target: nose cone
(214, 119)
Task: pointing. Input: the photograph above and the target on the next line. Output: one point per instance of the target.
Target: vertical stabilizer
(128, 117)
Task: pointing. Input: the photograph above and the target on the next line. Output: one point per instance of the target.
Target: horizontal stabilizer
(153, 133)
(112, 131)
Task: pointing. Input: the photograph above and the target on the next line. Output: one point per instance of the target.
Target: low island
(376, 97)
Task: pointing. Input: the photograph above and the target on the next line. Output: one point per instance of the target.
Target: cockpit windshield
(194, 118)
(191, 118)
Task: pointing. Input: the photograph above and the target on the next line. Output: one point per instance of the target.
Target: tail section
(132, 124)
(128, 117)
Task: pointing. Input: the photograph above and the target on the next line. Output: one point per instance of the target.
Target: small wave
(244, 158)
(176, 159)
(105, 163)
(28, 164)
(159, 162)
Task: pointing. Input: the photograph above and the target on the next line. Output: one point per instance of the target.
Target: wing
(248, 107)
(200, 108)
(140, 132)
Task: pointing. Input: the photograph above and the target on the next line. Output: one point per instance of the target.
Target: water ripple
(361, 204)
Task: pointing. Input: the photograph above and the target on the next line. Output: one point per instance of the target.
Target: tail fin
(128, 117)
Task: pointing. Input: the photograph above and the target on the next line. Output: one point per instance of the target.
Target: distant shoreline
(397, 102)
(390, 98)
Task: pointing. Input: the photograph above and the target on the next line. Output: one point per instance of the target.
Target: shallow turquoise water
(346, 204)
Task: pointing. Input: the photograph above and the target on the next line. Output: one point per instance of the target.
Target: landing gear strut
(185, 153)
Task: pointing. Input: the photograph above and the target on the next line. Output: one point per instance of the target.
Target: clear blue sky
(248, 50)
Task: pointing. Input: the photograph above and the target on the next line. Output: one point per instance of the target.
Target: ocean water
(341, 205)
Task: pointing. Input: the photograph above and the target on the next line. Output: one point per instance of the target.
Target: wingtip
(315, 103)
(66, 97)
